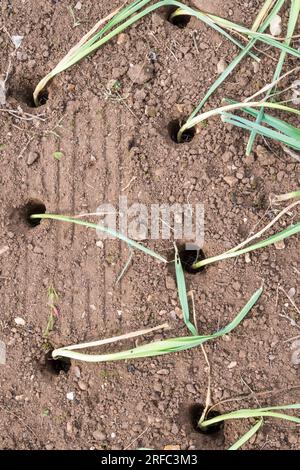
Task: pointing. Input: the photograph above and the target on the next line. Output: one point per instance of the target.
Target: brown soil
(106, 143)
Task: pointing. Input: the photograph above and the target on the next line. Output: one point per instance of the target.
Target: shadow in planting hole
(20, 221)
(180, 21)
(33, 206)
(55, 366)
(195, 412)
(189, 255)
(24, 94)
(42, 98)
(173, 129)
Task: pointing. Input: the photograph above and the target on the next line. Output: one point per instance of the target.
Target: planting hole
(190, 254)
(24, 93)
(43, 98)
(173, 129)
(33, 206)
(55, 366)
(180, 21)
(196, 411)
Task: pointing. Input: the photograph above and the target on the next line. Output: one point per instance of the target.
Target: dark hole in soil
(173, 129)
(189, 255)
(55, 366)
(33, 206)
(195, 412)
(180, 21)
(25, 94)
(43, 97)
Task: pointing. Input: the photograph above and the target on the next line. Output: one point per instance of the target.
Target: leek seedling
(234, 252)
(293, 18)
(156, 348)
(121, 19)
(285, 197)
(246, 50)
(275, 128)
(113, 233)
(182, 294)
(247, 436)
(223, 110)
(261, 413)
(124, 17)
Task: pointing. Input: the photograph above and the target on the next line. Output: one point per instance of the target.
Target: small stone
(77, 372)
(78, 6)
(2, 353)
(49, 446)
(255, 66)
(170, 283)
(178, 312)
(236, 285)
(20, 321)
(275, 25)
(99, 435)
(3, 249)
(173, 315)
(172, 447)
(151, 111)
(296, 354)
(280, 245)
(247, 258)
(221, 66)
(190, 388)
(113, 435)
(162, 372)
(82, 385)
(99, 244)
(2, 93)
(69, 428)
(292, 292)
(203, 46)
(70, 396)
(38, 250)
(295, 359)
(19, 397)
(230, 180)
(280, 176)
(232, 365)
(17, 40)
(157, 387)
(122, 38)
